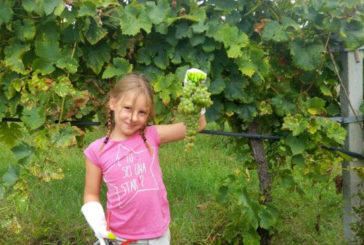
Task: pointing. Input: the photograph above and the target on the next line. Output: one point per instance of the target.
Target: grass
(191, 180)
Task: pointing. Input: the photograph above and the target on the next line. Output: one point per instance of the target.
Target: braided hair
(130, 82)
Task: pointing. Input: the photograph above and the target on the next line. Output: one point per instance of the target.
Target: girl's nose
(134, 116)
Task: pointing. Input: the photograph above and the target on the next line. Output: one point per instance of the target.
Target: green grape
(194, 97)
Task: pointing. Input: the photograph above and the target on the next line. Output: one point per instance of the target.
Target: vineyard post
(351, 99)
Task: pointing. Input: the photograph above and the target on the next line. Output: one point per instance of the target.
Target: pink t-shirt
(136, 196)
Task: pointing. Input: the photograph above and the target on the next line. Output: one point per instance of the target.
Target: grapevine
(194, 98)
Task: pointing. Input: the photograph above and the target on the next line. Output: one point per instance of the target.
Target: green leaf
(67, 61)
(96, 56)
(157, 13)
(50, 5)
(315, 106)
(247, 67)
(251, 238)
(6, 12)
(199, 27)
(48, 50)
(298, 160)
(296, 123)
(282, 106)
(266, 219)
(233, 40)
(354, 32)
(44, 66)
(25, 31)
(13, 56)
(217, 86)
(296, 144)
(276, 32)
(63, 87)
(333, 130)
(119, 68)
(235, 90)
(22, 152)
(247, 112)
(183, 30)
(11, 176)
(95, 33)
(215, 112)
(161, 59)
(33, 117)
(32, 6)
(10, 133)
(87, 8)
(307, 56)
(64, 136)
(143, 56)
(134, 18)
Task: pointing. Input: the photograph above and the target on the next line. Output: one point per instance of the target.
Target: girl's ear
(112, 104)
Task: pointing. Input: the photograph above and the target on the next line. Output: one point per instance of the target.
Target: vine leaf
(87, 8)
(354, 34)
(276, 32)
(157, 13)
(11, 176)
(215, 112)
(50, 5)
(95, 33)
(96, 56)
(48, 50)
(10, 133)
(233, 40)
(25, 30)
(33, 117)
(119, 68)
(315, 106)
(295, 123)
(217, 86)
(6, 12)
(296, 145)
(13, 56)
(23, 152)
(306, 56)
(133, 18)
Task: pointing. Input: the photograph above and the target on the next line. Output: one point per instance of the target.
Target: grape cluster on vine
(194, 97)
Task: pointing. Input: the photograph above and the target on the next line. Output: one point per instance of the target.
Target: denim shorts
(165, 239)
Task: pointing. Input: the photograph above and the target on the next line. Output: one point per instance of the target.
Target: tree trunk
(265, 177)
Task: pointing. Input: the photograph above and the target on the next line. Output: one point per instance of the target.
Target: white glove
(95, 216)
(191, 70)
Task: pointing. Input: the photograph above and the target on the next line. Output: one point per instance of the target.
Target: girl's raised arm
(173, 132)
(92, 182)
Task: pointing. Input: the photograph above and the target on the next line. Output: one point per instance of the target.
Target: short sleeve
(152, 135)
(92, 152)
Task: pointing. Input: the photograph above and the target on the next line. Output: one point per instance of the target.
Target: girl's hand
(95, 216)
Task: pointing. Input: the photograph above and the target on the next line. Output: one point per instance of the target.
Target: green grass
(191, 180)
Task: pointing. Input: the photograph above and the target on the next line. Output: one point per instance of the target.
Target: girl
(127, 160)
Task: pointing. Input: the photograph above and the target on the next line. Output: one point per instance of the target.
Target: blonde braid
(109, 129)
(142, 133)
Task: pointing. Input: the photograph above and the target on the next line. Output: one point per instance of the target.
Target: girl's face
(131, 113)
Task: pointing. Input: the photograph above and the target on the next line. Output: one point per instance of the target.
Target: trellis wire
(211, 132)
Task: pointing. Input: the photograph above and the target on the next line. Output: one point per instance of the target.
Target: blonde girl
(127, 161)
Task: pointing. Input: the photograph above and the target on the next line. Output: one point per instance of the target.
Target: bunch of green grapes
(194, 97)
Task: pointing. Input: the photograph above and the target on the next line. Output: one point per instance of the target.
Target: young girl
(127, 160)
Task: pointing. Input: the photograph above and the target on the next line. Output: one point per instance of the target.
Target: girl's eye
(142, 112)
(127, 107)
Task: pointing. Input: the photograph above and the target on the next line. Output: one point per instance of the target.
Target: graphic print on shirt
(130, 174)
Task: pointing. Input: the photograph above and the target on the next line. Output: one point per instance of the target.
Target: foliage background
(268, 62)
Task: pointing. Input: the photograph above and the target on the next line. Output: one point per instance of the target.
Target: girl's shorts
(163, 240)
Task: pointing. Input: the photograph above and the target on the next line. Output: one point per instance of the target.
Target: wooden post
(352, 77)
